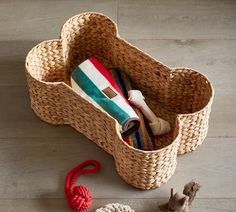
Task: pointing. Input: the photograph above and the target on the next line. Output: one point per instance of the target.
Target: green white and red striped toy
(95, 83)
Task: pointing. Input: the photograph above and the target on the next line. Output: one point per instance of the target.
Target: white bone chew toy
(158, 126)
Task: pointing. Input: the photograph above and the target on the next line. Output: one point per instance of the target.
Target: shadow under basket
(179, 95)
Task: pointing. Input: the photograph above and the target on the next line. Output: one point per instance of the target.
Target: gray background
(35, 156)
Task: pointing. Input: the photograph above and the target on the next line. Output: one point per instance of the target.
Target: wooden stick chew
(157, 125)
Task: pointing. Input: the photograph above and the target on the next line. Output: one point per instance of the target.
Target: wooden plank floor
(35, 156)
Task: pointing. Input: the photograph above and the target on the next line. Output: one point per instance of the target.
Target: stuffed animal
(181, 202)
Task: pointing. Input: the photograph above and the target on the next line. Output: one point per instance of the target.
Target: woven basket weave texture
(180, 95)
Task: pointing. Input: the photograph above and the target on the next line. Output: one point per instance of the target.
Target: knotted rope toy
(79, 198)
(115, 207)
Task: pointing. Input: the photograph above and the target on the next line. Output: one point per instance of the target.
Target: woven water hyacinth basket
(180, 95)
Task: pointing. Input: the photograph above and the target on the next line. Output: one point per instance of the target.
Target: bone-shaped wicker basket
(180, 95)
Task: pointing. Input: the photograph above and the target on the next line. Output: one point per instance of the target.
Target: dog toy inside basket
(181, 96)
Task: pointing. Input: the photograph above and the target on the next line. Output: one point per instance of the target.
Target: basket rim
(59, 41)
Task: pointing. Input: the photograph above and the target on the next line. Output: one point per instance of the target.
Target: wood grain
(35, 157)
(157, 19)
(140, 205)
(40, 20)
(36, 168)
(12, 61)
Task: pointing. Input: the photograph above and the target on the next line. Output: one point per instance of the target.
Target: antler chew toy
(157, 125)
(181, 202)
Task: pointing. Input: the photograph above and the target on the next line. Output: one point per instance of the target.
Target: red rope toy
(79, 198)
